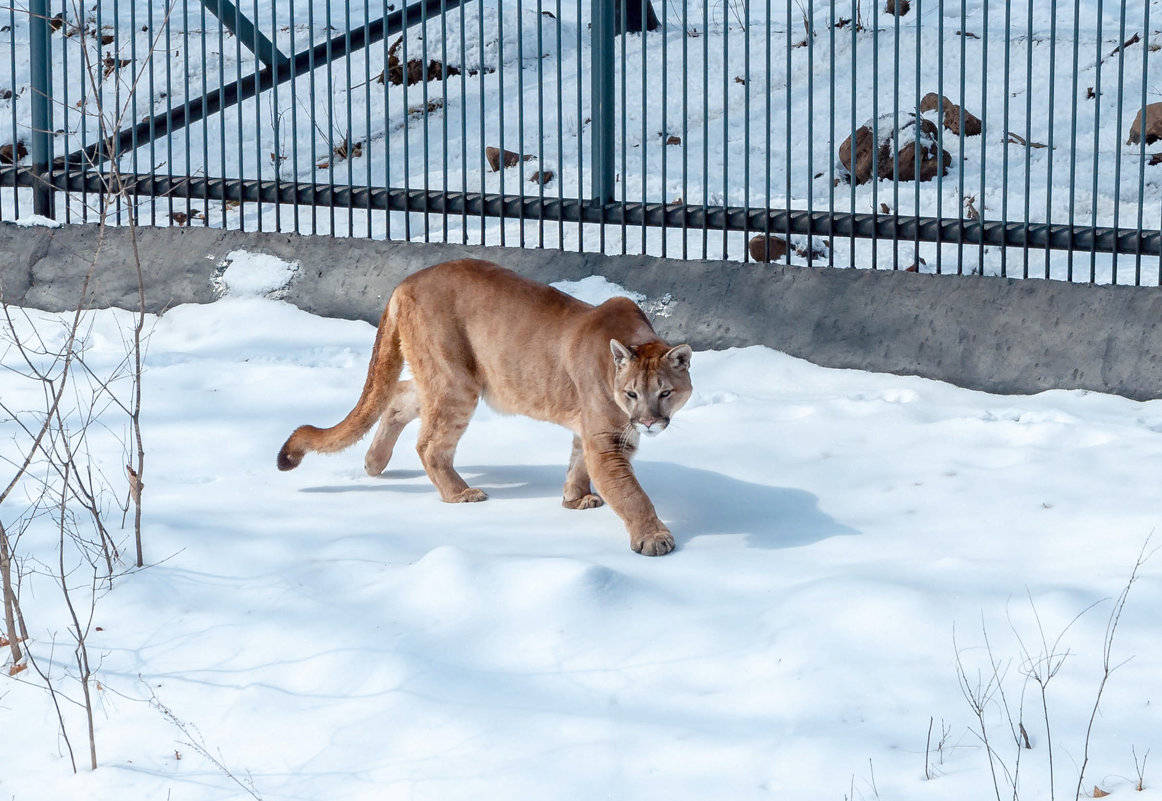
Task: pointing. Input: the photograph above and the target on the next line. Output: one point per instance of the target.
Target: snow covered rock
(894, 146)
(972, 123)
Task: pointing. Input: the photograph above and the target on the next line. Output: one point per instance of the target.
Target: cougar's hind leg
(403, 408)
(578, 492)
(445, 412)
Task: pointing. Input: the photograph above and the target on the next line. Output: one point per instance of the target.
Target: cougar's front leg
(578, 493)
(607, 457)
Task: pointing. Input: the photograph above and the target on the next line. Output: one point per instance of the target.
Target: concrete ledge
(992, 334)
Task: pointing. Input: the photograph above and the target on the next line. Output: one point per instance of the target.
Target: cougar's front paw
(470, 495)
(657, 542)
(589, 501)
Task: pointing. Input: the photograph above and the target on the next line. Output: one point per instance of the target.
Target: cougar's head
(651, 382)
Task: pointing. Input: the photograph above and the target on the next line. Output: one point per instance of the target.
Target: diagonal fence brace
(248, 34)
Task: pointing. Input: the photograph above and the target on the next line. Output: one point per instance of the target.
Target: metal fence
(539, 123)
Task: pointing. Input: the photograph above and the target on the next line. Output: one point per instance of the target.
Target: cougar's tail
(382, 378)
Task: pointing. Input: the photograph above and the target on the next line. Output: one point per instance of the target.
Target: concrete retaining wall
(984, 333)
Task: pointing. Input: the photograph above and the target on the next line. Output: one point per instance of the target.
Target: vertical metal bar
(875, 171)
(1142, 148)
(787, 130)
(854, 126)
(747, 78)
(561, 129)
(810, 174)
(312, 107)
(40, 69)
(169, 159)
(99, 100)
(12, 108)
(118, 199)
(483, 140)
(1073, 140)
(916, 121)
(222, 121)
(294, 104)
(445, 79)
(1118, 131)
(1028, 137)
(705, 121)
(686, 124)
(258, 126)
(725, 117)
(541, 123)
(148, 31)
(276, 154)
(986, 134)
(367, 114)
(185, 98)
(665, 199)
(205, 63)
(1096, 144)
(500, 110)
(520, 116)
(405, 121)
(895, 127)
(387, 133)
(939, 134)
(960, 145)
(767, 154)
(831, 180)
(424, 111)
(133, 200)
(350, 132)
(580, 120)
(65, 107)
(241, 169)
(331, 148)
(624, 134)
(645, 146)
(464, 117)
(1052, 114)
(1005, 139)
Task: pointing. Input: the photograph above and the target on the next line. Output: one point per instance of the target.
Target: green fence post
(40, 147)
(602, 106)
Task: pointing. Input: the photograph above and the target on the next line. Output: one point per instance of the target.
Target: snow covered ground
(848, 543)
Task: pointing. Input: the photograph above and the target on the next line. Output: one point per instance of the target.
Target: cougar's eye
(665, 393)
(629, 393)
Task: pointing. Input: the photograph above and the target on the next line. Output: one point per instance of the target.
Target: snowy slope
(760, 109)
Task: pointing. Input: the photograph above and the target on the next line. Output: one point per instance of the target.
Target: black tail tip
(289, 459)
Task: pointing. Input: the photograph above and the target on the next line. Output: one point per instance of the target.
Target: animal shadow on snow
(692, 502)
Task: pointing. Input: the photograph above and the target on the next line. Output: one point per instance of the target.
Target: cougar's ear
(621, 354)
(679, 357)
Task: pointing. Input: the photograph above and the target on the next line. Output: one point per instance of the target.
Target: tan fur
(471, 329)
